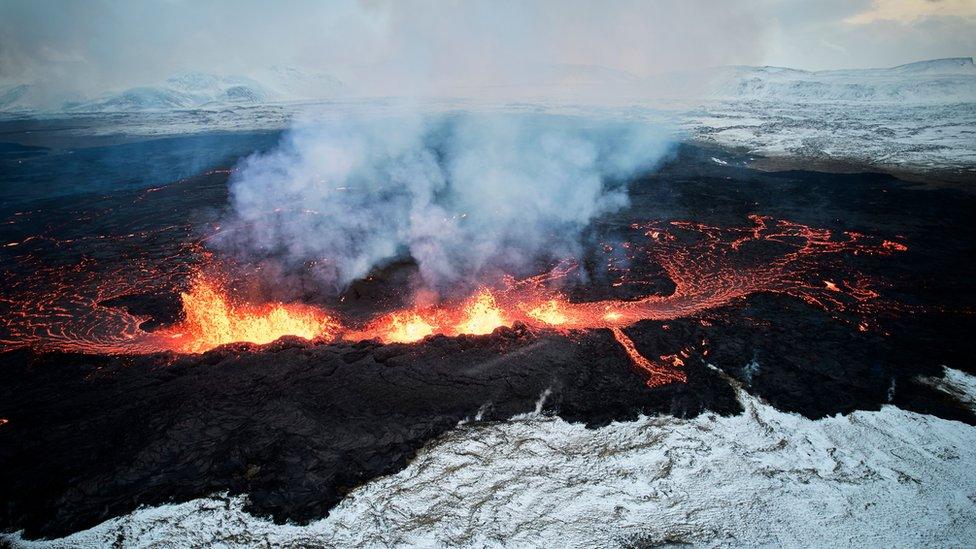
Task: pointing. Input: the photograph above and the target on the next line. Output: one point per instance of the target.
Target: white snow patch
(869, 479)
(956, 384)
(938, 80)
(537, 412)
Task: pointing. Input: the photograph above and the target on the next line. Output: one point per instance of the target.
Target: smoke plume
(468, 197)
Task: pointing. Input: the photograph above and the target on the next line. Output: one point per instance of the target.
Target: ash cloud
(469, 197)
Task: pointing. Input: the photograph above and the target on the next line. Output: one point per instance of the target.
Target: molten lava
(482, 315)
(478, 315)
(709, 267)
(658, 374)
(549, 313)
(212, 320)
(403, 328)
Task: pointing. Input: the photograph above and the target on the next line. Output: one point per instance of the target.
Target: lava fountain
(211, 319)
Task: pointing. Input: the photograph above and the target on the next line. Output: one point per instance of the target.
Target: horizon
(412, 47)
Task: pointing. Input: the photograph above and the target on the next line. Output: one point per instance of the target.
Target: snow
(956, 384)
(915, 117)
(182, 91)
(934, 81)
(909, 136)
(949, 65)
(868, 479)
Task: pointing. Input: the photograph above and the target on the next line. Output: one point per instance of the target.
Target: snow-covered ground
(888, 478)
(185, 90)
(934, 81)
(915, 137)
(915, 117)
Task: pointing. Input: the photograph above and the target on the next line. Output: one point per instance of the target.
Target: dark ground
(296, 425)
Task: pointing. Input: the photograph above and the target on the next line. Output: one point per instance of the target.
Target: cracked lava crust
(121, 383)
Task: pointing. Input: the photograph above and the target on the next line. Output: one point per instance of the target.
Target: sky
(107, 44)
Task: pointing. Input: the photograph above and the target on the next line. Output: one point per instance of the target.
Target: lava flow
(709, 267)
(212, 320)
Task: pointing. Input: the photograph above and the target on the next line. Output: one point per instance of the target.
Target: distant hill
(932, 81)
(187, 90)
(937, 80)
(949, 65)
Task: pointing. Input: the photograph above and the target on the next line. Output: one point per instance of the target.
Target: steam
(468, 197)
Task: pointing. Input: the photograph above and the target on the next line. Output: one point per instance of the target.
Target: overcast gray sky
(106, 43)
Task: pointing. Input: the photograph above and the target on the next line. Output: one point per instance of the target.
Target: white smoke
(466, 196)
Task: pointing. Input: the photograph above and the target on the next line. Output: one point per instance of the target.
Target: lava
(658, 374)
(478, 315)
(482, 315)
(212, 320)
(402, 328)
(549, 312)
(709, 267)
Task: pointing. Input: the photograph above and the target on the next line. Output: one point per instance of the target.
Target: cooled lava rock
(295, 425)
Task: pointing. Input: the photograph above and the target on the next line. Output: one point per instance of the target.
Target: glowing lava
(478, 315)
(657, 374)
(482, 315)
(212, 320)
(550, 313)
(404, 328)
(59, 307)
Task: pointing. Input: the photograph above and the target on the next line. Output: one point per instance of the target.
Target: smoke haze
(467, 196)
(402, 47)
(418, 47)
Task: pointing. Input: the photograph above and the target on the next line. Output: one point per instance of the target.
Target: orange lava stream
(658, 374)
(709, 266)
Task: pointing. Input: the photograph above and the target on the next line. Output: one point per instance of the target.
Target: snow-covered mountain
(186, 90)
(949, 65)
(918, 116)
(938, 80)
